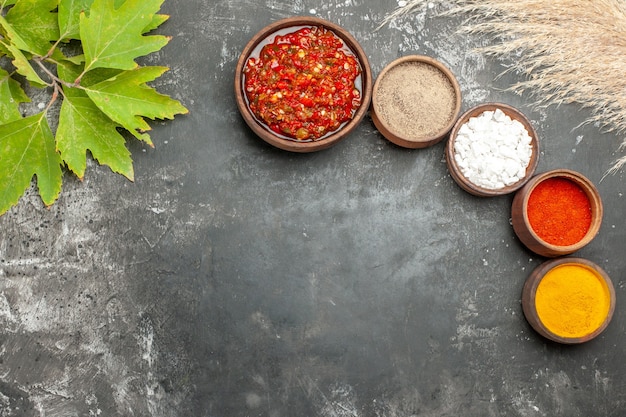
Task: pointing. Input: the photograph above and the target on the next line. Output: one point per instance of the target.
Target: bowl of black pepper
(302, 84)
(415, 101)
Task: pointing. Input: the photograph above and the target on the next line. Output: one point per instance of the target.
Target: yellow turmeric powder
(572, 300)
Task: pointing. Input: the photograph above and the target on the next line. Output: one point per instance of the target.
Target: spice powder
(559, 211)
(415, 100)
(572, 300)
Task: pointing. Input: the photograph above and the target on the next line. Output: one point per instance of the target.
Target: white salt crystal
(492, 150)
(464, 130)
(511, 167)
(508, 152)
(499, 116)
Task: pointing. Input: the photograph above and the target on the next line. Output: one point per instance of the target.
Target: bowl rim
(455, 171)
(592, 194)
(530, 289)
(293, 145)
(393, 136)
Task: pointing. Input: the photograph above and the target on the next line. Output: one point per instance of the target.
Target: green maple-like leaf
(69, 17)
(113, 37)
(157, 20)
(59, 57)
(84, 52)
(22, 65)
(127, 99)
(4, 50)
(69, 71)
(26, 150)
(11, 95)
(82, 127)
(32, 25)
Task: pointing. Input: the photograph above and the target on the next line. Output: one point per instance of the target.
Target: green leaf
(113, 37)
(69, 17)
(69, 72)
(32, 26)
(23, 66)
(27, 149)
(126, 99)
(58, 56)
(12, 36)
(157, 21)
(11, 95)
(4, 50)
(87, 50)
(82, 127)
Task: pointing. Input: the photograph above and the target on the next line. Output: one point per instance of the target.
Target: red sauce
(303, 85)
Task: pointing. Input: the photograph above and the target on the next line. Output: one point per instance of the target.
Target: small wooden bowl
(283, 142)
(455, 171)
(424, 98)
(529, 294)
(525, 232)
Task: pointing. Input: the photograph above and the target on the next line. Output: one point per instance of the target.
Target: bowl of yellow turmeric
(568, 300)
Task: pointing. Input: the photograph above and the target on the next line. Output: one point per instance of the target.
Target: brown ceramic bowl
(415, 101)
(529, 296)
(283, 142)
(524, 230)
(456, 172)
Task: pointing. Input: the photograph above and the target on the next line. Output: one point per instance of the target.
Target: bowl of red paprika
(302, 84)
(557, 213)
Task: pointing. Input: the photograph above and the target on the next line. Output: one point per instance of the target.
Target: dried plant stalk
(570, 51)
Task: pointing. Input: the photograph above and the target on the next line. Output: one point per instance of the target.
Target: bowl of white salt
(415, 101)
(492, 150)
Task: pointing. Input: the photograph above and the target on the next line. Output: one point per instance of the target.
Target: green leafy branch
(83, 52)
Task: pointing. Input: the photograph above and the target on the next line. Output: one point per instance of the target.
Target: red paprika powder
(559, 211)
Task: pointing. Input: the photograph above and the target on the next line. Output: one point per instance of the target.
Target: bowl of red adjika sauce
(415, 101)
(302, 84)
(557, 212)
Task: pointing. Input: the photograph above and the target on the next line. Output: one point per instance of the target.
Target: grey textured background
(235, 279)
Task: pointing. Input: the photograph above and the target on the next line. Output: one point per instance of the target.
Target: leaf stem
(55, 83)
(46, 71)
(80, 77)
(55, 95)
(51, 50)
(55, 79)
